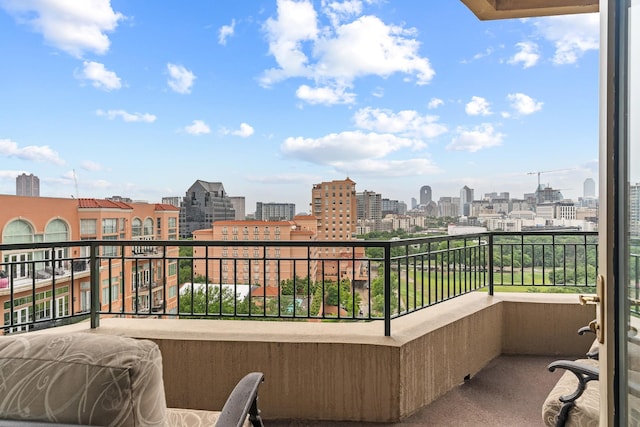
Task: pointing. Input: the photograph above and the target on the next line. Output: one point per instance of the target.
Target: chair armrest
(583, 373)
(584, 330)
(242, 401)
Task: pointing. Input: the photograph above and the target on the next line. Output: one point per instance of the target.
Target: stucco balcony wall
(351, 371)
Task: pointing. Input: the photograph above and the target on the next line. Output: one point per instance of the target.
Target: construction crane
(550, 171)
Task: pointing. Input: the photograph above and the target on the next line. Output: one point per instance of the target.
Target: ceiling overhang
(504, 9)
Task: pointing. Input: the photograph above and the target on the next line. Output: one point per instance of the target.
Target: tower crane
(549, 171)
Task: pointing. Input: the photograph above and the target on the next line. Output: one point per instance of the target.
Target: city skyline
(272, 97)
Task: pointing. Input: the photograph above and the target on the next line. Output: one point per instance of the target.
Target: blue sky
(141, 98)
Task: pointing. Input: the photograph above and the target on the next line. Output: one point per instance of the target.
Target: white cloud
(225, 32)
(378, 92)
(341, 52)
(180, 79)
(127, 117)
(478, 138)
(408, 123)
(244, 131)
(100, 77)
(325, 95)
(341, 11)
(296, 23)
(71, 26)
(488, 51)
(527, 55)
(572, 35)
(478, 106)
(91, 166)
(524, 104)
(197, 127)
(35, 153)
(434, 103)
(341, 147)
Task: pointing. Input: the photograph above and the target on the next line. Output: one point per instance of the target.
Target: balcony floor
(508, 392)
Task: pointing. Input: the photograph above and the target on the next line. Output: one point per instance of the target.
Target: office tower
(204, 203)
(238, 204)
(28, 185)
(425, 195)
(589, 188)
(369, 210)
(275, 211)
(466, 197)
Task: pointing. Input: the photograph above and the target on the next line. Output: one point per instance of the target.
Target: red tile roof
(166, 207)
(102, 204)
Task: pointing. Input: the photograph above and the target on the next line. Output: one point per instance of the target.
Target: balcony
(414, 319)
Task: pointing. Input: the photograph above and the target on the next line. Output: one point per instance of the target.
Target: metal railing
(57, 283)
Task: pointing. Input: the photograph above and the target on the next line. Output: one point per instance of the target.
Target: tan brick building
(239, 262)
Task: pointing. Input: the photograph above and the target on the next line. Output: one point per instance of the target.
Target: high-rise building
(27, 185)
(589, 188)
(334, 204)
(204, 203)
(414, 203)
(425, 195)
(466, 197)
(369, 210)
(238, 204)
(173, 200)
(275, 211)
(449, 206)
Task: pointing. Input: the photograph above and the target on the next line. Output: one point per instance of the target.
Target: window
(136, 227)
(110, 250)
(56, 231)
(109, 225)
(88, 227)
(173, 230)
(148, 227)
(173, 268)
(173, 291)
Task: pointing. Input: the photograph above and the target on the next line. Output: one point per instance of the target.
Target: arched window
(18, 231)
(136, 227)
(56, 231)
(148, 227)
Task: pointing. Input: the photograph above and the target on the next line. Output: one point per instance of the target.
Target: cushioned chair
(102, 380)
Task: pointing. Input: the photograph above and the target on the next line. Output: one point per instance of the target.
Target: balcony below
(327, 373)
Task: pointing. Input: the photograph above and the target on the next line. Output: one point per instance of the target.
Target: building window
(109, 225)
(88, 227)
(148, 227)
(136, 227)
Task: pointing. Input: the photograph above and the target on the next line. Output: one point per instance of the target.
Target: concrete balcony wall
(351, 371)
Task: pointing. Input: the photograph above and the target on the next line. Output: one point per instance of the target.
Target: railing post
(490, 264)
(387, 290)
(94, 264)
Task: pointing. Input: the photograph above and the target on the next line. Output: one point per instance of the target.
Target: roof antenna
(75, 180)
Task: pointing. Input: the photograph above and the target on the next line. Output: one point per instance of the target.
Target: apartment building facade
(239, 262)
(61, 274)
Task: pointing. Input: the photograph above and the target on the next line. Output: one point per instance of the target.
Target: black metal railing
(363, 280)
